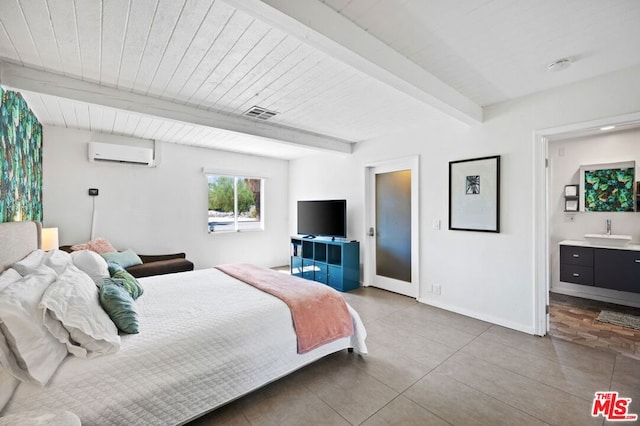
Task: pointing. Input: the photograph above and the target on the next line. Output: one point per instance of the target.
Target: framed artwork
(608, 187)
(474, 194)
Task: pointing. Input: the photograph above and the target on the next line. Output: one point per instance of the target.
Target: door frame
(542, 273)
(404, 163)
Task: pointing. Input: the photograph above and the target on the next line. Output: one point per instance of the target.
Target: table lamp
(49, 239)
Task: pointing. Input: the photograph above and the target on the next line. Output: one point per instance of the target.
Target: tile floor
(427, 366)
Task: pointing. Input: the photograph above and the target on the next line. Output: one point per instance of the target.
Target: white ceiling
(495, 50)
(335, 71)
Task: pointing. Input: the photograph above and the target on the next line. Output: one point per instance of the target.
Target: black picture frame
(474, 194)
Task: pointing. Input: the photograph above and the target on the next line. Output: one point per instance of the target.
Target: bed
(205, 339)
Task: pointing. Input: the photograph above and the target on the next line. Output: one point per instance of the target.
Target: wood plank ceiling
(216, 60)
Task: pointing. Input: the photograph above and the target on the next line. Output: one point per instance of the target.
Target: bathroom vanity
(601, 265)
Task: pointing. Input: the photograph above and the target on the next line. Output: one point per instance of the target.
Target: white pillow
(92, 264)
(9, 277)
(29, 263)
(8, 384)
(8, 362)
(36, 351)
(72, 301)
(57, 260)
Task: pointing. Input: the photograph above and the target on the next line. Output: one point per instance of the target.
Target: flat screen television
(327, 218)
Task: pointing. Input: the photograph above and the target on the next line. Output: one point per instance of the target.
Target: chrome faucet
(608, 226)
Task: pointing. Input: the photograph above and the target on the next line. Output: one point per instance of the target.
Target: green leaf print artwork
(609, 190)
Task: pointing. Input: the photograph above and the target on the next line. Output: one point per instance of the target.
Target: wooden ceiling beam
(321, 27)
(33, 80)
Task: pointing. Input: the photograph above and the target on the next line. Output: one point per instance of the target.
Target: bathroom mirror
(608, 187)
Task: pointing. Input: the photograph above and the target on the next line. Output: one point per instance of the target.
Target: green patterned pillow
(113, 267)
(119, 305)
(128, 282)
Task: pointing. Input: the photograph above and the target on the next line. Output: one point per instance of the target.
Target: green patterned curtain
(20, 160)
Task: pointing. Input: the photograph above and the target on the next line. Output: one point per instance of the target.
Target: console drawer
(573, 255)
(576, 274)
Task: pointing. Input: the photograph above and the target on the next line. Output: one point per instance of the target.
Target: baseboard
(480, 316)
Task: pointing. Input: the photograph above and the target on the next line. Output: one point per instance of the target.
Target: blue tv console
(335, 263)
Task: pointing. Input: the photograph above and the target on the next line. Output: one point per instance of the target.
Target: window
(235, 203)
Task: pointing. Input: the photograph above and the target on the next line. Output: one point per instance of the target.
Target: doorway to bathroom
(559, 154)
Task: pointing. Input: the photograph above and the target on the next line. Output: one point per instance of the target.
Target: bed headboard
(18, 239)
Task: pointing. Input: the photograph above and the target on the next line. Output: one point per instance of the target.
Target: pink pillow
(99, 245)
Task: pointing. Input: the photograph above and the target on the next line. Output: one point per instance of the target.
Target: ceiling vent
(260, 113)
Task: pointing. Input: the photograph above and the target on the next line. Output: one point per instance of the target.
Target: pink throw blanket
(320, 314)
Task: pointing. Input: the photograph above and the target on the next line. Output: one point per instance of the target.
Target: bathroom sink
(608, 240)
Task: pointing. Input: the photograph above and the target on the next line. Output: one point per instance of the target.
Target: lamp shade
(49, 239)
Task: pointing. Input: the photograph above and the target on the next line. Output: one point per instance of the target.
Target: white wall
(565, 158)
(484, 275)
(159, 210)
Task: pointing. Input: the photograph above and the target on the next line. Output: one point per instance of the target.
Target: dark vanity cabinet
(576, 265)
(616, 269)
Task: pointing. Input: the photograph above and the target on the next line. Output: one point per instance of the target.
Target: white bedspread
(205, 339)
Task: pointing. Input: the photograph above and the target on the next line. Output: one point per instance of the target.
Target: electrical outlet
(436, 289)
(93, 192)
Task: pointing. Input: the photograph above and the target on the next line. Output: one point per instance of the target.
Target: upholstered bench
(155, 264)
(160, 265)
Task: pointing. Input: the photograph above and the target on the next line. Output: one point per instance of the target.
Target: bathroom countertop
(582, 243)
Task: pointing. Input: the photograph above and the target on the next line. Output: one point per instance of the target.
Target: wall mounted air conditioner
(105, 152)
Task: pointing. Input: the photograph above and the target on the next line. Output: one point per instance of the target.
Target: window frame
(237, 176)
